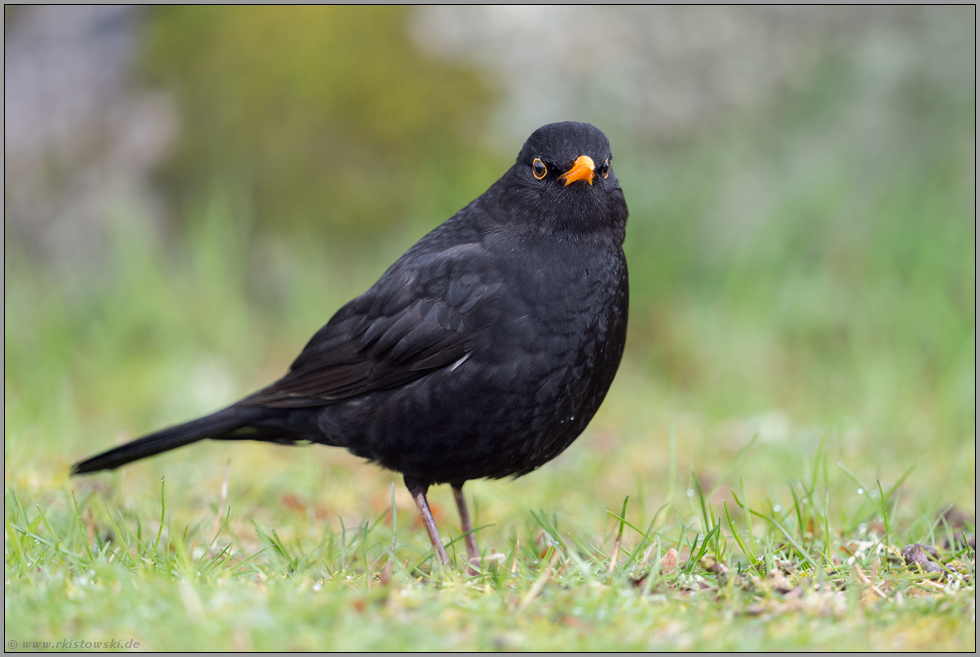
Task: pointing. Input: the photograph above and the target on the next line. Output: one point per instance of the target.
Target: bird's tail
(232, 423)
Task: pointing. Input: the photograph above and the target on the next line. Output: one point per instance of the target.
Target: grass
(210, 569)
(796, 406)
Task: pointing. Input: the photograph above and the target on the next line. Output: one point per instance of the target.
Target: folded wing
(412, 322)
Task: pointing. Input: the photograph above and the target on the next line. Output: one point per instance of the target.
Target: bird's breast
(547, 335)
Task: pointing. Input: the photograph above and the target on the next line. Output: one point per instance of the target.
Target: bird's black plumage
(483, 351)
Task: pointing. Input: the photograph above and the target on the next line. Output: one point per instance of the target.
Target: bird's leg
(472, 551)
(418, 494)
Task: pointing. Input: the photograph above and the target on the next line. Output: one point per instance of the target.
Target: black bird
(484, 351)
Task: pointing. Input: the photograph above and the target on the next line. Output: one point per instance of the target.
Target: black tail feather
(232, 423)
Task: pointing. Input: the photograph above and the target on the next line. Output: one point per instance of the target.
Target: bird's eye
(603, 169)
(538, 168)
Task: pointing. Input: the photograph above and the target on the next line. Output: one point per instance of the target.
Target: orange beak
(583, 169)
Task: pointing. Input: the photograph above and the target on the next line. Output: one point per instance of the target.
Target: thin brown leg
(418, 494)
(472, 551)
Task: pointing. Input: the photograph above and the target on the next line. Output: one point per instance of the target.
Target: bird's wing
(417, 318)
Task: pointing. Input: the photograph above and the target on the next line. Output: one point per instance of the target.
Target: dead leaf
(921, 556)
(290, 501)
(668, 563)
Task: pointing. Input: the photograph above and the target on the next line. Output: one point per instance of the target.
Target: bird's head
(563, 180)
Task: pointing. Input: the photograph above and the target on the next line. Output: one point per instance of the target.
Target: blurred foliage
(818, 257)
(328, 116)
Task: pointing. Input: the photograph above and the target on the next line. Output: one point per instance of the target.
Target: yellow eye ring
(538, 168)
(604, 169)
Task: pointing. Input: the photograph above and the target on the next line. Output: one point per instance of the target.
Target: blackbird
(484, 351)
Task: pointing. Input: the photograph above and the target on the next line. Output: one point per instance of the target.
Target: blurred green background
(191, 192)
